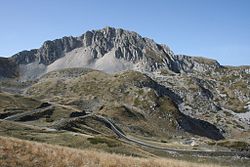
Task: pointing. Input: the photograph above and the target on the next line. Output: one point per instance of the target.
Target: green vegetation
(234, 144)
(236, 105)
(203, 60)
(73, 140)
(104, 140)
(95, 89)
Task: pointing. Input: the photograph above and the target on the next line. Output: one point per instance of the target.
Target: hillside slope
(16, 152)
(133, 100)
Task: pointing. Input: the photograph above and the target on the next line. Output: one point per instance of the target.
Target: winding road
(120, 134)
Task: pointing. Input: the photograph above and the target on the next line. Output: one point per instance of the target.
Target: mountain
(113, 85)
(110, 50)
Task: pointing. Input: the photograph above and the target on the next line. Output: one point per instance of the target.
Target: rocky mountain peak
(108, 49)
(126, 44)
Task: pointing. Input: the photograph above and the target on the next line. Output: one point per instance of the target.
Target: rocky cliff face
(195, 64)
(108, 49)
(8, 68)
(49, 52)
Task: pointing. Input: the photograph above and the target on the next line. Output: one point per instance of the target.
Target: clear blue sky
(218, 29)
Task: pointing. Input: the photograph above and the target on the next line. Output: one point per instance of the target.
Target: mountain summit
(109, 49)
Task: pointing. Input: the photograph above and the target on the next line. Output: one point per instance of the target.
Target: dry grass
(15, 152)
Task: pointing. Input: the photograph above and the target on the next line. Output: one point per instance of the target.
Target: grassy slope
(68, 139)
(113, 91)
(15, 152)
(132, 89)
(12, 104)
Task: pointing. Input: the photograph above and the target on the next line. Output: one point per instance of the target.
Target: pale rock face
(31, 70)
(111, 64)
(199, 64)
(80, 57)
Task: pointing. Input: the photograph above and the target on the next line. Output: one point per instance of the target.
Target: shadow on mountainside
(199, 127)
(187, 123)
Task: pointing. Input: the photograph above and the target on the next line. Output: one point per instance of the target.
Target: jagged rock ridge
(109, 50)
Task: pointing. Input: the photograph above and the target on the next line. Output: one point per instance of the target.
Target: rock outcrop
(8, 68)
(109, 50)
(195, 64)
